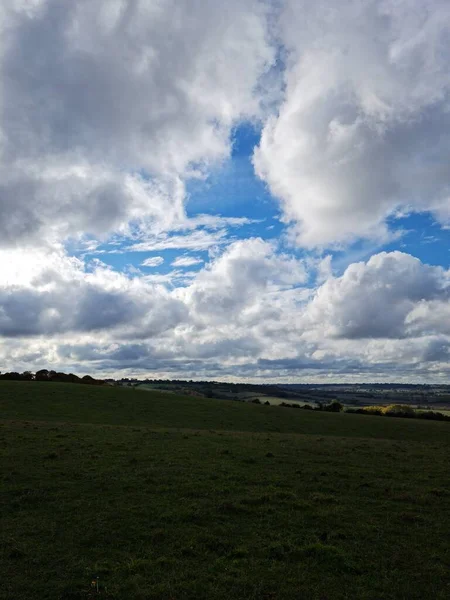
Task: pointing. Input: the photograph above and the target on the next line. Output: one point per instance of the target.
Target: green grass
(167, 497)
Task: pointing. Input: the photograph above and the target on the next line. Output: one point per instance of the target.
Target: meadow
(171, 497)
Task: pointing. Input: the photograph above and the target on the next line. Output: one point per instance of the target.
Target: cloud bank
(251, 310)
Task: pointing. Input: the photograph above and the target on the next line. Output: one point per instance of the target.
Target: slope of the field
(166, 497)
(77, 403)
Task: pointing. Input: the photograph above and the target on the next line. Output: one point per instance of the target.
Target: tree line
(46, 375)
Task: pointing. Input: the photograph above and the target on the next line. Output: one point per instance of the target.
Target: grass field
(168, 497)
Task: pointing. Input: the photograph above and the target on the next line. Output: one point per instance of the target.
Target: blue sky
(233, 190)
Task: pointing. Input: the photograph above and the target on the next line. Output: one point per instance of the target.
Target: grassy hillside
(123, 406)
(168, 497)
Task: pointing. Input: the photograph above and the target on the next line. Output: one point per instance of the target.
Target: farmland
(429, 397)
(167, 496)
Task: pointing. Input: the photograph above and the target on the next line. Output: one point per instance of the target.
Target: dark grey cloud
(437, 350)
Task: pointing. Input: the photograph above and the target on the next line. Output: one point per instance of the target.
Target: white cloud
(186, 261)
(239, 279)
(376, 299)
(50, 293)
(107, 107)
(430, 317)
(153, 261)
(248, 313)
(359, 132)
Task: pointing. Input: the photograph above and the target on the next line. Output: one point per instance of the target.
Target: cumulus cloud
(235, 281)
(377, 299)
(432, 317)
(216, 315)
(108, 106)
(249, 312)
(359, 132)
(48, 292)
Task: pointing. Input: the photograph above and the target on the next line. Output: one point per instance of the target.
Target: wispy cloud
(214, 222)
(175, 277)
(153, 261)
(197, 240)
(186, 261)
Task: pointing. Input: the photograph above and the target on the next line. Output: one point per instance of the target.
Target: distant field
(152, 388)
(225, 392)
(171, 497)
(275, 401)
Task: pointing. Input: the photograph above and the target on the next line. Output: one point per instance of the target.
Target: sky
(252, 190)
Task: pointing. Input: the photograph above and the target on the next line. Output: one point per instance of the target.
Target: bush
(398, 410)
(432, 416)
(334, 406)
(373, 410)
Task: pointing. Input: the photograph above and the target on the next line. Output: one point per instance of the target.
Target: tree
(42, 375)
